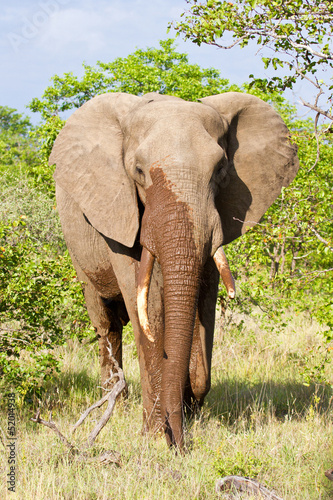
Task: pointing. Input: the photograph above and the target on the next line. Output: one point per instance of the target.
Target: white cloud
(87, 30)
(117, 14)
(73, 27)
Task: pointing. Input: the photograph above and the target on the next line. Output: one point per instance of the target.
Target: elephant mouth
(144, 277)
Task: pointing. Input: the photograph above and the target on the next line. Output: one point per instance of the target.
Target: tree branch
(306, 47)
(320, 238)
(317, 273)
(116, 390)
(51, 425)
(315, 108)
(244, 485)
(89, 410)
(317, 137)
(302, 75)
(263, 32)
(226, 47)
(111, 397)
(302, 256)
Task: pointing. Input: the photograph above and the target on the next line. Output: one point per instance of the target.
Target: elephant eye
(140, 176)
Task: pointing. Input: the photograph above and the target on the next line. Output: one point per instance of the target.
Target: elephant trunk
(181, 268)
(177, 235)
(168, 234)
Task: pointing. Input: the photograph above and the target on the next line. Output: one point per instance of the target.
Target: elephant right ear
(88, 154)
(262, 160)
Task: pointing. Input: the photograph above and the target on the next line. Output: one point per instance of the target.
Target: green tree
(285, 263)
(295, 35)
(37, 285)
(39, 301)
(162, 70)
(294, 241)
(16, 145)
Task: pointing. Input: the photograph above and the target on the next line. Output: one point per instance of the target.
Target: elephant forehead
(189, 150)
(171, 114)
(184, 138)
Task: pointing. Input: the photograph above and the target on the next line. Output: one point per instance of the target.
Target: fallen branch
(51, 425)
(111, 397)
(238, 484)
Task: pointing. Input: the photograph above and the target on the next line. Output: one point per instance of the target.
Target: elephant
(149, 189)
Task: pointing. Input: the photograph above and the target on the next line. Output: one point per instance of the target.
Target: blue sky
(45, 37)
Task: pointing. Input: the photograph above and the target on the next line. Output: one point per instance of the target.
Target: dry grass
(259, 420)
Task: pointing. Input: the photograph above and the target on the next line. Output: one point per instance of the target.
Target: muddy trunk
(180, 295)
(181, 268)
(169, 234)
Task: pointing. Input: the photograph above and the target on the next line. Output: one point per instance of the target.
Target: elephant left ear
(262, 159)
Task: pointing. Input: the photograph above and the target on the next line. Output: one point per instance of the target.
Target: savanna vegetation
(269, 413)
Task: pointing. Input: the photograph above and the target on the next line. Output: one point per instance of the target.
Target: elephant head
(205, 172)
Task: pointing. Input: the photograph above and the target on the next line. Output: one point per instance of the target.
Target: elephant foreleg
(109, 333)
(108, 316)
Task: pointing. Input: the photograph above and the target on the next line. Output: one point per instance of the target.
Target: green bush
(245, 464)
(40, 301)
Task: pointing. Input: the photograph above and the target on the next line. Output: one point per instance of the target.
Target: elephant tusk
(145, 271)
(222, 265)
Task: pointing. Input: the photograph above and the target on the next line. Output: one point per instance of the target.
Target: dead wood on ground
(110, 397)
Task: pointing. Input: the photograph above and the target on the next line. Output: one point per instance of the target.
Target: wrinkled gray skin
(178, 179)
